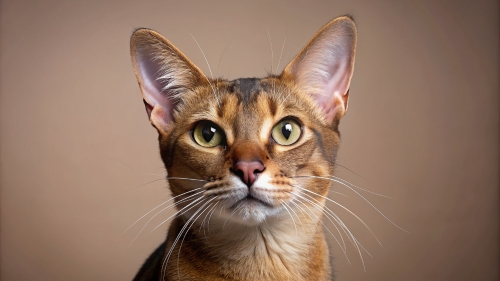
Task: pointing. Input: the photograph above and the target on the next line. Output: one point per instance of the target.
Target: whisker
(218, 63)
(302, 211)
(192, 223)
(178, 213)
(340, 205)
(336, 164)
(176, 178)
(342, 182)
(210, 217)
(232, 213)
(352, 238)
(344, 227)
(220, 212)
(281, 90)
(334, 216)
(346, 230)
(353, 185)
(145, 183)
(298, 218)
(283, 101)
(217, 72)
(189, 179)
(284, 206)
(380, 212)
(203, 53)
(158, 207)
(164, 266)
(169, 206)
(272, 59)
(282, 47)
(272, 52)
(211, 75)
(344, 249)
(203, 222)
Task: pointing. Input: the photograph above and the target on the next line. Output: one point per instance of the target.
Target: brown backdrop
(79, 159)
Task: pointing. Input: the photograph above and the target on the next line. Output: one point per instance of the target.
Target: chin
(250, 212)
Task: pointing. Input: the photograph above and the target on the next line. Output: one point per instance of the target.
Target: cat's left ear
(324, 67)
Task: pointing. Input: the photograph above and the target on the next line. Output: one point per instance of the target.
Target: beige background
(77, 154)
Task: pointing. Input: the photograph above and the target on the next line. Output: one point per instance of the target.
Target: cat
(249, 161)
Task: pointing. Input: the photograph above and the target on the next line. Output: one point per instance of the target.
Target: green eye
(286, 132)
(207, 134)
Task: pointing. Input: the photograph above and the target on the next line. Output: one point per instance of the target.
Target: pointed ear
(164, 74)
(323, 69)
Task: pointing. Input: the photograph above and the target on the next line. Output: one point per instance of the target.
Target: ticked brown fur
(250, 206)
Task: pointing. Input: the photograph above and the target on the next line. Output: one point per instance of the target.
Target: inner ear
(154, 85)
(164, 75)
(324, 67)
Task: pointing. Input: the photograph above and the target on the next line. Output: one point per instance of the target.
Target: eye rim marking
(199, 139)
(292, 120)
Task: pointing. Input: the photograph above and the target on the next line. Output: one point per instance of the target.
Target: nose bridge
(248, 151)
(248, 155)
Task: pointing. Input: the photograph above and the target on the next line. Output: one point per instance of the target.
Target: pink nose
(248, 171)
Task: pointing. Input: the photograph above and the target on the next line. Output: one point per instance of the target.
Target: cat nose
(248, 171)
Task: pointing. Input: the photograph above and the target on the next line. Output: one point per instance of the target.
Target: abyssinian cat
(249, 161)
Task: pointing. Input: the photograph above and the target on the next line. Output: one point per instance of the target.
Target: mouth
(249, 199)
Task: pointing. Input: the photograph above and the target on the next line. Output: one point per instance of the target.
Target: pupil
(286, 130)
(208, 133)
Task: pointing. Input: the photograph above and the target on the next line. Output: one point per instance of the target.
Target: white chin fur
(250, 212)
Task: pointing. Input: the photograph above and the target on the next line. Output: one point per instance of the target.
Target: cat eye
(286, 132)
(207, 134)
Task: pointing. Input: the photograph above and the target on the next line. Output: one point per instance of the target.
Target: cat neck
(278, 249)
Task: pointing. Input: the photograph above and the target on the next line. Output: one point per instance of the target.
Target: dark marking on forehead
(273, 107)
(220, 108)
(246, 88)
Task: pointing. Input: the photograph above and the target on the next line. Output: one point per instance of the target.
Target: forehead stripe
(272, 106)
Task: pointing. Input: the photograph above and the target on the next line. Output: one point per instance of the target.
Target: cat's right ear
(164, 74)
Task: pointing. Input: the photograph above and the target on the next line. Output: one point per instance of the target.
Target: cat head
(253, 147)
